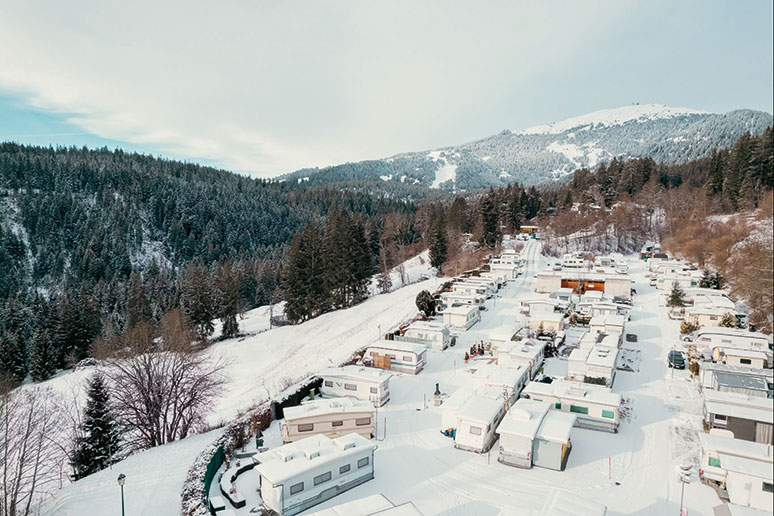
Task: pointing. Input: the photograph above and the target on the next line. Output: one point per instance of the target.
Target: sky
(267, 87)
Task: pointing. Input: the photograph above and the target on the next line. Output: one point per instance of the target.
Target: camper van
(596, 407)
(404, 357)
(300, 475)
(433, 335)
(461, 318)
(477, 420)
(363, 383)
(332, 417)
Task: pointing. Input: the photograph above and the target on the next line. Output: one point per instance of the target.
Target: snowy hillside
(550, 152)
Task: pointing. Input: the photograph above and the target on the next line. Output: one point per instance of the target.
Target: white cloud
(268, 87)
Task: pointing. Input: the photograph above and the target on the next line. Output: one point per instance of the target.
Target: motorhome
(302, 474)
(461, 318)
(363, 383)
(595, 406)
(433, 335)
(532, 434)
(403, 357)
(477, 420)
(332, 417)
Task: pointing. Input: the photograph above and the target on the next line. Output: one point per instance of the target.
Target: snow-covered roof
(503, 333)
(706, 310)
(743, 352)
(574, 391)
(754, 468)
(738, 447)
(397, 345)
(322, 407)
(608, 320)
(579, 355)
(482, 407)
(540, 301)
(458, 398)
(556, 426)
(555, 368)
(733, 332)
(602, 357)
(528, 348)
(742, 381)
(719, 302)
(737, 398)
(524, 418)
(366, 374)
(548, 316)
(290, 460)
(749, 413)
(497, 376)
(460, 310)
(737, 370)
(428, 326)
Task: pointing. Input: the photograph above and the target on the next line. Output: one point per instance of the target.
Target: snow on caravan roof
(733, 332)
(483, 406)
(325, 406)
(524, 418)
(738, 370)
(353, 372)
(738, 447)
(460, 310)
(754, 468)
(288, 461)
(737, 398)
(398, 345)
(504, 332)
(574, 391)
(749, 413)
(427, 325)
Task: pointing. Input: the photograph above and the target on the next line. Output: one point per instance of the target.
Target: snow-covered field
(632, 472)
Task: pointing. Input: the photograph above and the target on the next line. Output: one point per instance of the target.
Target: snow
(613, 117)
(447, 172)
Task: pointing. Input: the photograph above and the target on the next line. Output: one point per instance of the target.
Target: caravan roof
(460, 310)
(524, 418)
(749, 413)
(602, 357)
(368, 374)
(732, 332)
(325, 406)
(754, 468)
(737, 370)
(483, 406)
(428, 325)
(398, 345)
(290, 460)
(504, 333)
(733, 446)
(574, 391)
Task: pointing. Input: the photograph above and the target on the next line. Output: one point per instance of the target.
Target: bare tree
(29, 461)
(161, 387)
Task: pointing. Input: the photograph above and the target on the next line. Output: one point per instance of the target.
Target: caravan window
(768, 487)
(362, 462)
(308, 427)
(558, 405)
(350, 387)
(320, 479)
(407, 358)
(720, 417)
(329, 383)
(392, 357)
(296, 488)
(337, 423)
(608, 414)
(579, 410)
(726, 341)
(363, 421)
(344, 469)
(715, 463)
(374, 390)
(745, 361)
(475, 430)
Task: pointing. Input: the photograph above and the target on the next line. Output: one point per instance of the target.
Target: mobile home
(507, 269)
(490, 285)
(509, 380)
(595, 406)
(532, 434)
(602, 310)
(453, 299)
(732, 337)
(749, 483)
(596, 362)
(607, 324)
(363, 383)
(404, 357)
(741, 357)
(528, 353)
(332, 417)
(452, 404)
(740, 379)
(434, 335)
(537, 307)
(713, 446)
(299, 475)
(470, 289)
(461, 318)
(746, 417)
(477, 420)
(573, 261)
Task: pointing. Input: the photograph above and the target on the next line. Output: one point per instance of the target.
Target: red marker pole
(609, 469)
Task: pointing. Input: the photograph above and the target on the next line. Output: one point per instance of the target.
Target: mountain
(554, 151)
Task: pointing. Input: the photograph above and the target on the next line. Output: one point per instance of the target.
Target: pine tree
(43, 360)
(728, 320)
(304, 288)
(706, 279)
(198, 300)
(99, 444)
(137, 308)
(13, 356)
(425, 303)
(228, 289)
(676, 296)
(438, 244)
(490, 224)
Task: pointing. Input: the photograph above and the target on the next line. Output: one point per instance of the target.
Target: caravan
(433, 335)
(404, 357)
(332, 417)
(357, 382)
(595, 406)
(461, 318)
(477, 420)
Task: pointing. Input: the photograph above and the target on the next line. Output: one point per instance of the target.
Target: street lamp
(121, 480)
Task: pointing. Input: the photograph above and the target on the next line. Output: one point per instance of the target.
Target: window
(374, 390)
(308, 427)
(407, 358)
(558, 405)
(296, 488)
(768, 487)
(362, 462)
(320, 479)
(745, 361)
(363, 421)
(725, 341)
(715, 463)
(372, 353)
(329, 383)
(475, 430)
(392, 357)
(608, 414)
(350, 387)
(579, 410)
(536, 399)
(713, 317)
(720, 417)
(344, 469)
(337, 423)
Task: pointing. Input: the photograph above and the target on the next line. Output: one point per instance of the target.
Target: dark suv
(675, 359)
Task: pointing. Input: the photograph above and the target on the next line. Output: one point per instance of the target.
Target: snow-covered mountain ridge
(553, 151)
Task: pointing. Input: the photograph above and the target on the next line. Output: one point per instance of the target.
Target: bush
(426, 303)
(595, 380)
(694, 368)
(688, 327)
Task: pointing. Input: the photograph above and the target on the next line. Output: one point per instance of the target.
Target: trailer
(509, 380)
(300, 475)
(477, 420)
(404, 357)
(746, 417)
(461, 318)
(532, 434)
(596, 362)
(501, 335)
(433, 335)
(751, 381)
(528, 353)
(455, 299)
(358, 382)
(733, 337)
(596, 407)
(332, 417)
(711, 468)
(469, 290)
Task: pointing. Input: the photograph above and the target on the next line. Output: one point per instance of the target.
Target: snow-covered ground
(632, 472)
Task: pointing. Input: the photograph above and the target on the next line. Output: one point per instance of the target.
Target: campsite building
(461, 318)
(746, 417)
(299, 475)
(532, 434)
(332, 417)
(527, 353)
(595, 406)
(363, 383)
(477, 420)
(433, 335)
(740, 379)
(403, 357)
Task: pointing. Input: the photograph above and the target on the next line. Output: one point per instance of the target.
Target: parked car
(675, 359)
(653, 282)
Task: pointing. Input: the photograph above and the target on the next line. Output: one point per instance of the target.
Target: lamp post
(121, 480)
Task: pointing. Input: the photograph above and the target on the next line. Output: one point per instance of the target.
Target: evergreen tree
(137, 309)
(706, 279)
(728, 320)
(198, 300)
(99, 444)
(304, 286)
(228, 288)
(490, 224)
(425, 303)
(13, 356)
(438, 244)
(43, 360)
(676, 296)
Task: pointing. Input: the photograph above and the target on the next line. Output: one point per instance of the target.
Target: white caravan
(363, 383)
